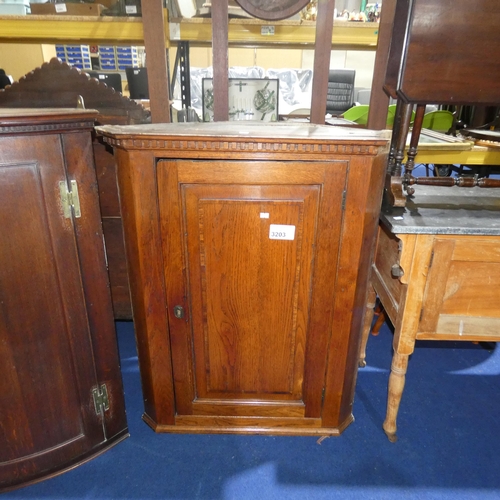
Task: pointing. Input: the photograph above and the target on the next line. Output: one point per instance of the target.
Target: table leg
(380, 321)
(396, 386)
(370, 308)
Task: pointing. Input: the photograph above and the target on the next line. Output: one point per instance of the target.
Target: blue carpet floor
(448, 428)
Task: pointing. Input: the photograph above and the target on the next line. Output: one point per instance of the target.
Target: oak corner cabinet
(248, 248)
(61, 393)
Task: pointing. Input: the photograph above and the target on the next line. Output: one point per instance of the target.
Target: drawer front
(388, 287)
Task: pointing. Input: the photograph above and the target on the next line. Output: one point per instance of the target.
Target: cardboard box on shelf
(14, 7)
(68, 9)
(108, 3)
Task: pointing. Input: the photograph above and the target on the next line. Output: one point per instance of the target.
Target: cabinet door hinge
(101, 401)
(323, 395)
(343, 199)
(431, 259)
(69, 198)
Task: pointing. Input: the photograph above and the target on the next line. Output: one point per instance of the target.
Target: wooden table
(436, 272)
(475, 155)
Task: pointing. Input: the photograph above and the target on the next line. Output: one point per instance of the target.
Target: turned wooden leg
(394, 195)
(370, 307)
(396, 386)
(378, 324)
(412, 151)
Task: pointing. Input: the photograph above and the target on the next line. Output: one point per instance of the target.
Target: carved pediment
(58, 85)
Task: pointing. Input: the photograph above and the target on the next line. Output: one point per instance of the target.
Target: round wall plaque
(272, 10)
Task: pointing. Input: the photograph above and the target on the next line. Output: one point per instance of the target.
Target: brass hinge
(343, 199)
(323, 395)
(101, 401)
(431, 259)
(70, 199)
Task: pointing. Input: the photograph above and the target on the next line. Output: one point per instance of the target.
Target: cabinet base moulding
(248, 425)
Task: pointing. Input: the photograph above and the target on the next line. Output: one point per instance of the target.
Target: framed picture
(249, 99)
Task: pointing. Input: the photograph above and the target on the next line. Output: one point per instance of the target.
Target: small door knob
(179, 312)
(397, 271)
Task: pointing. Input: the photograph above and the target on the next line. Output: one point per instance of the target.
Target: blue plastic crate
(126, 51)
(107, 64)
(125, 60)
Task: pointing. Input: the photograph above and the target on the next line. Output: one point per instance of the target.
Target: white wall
(363, 61)
(19, 59)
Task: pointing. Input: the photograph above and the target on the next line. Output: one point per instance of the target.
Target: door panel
(249, 293)
(462, 288)
(32, 340)
(243, 340)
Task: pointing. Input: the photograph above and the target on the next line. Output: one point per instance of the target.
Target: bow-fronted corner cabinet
(61, 393)
(248, 247)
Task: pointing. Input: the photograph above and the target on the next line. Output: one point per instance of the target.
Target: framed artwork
(249, 99)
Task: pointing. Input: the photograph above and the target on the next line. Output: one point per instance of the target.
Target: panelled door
(248, 313)
(462, 288)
